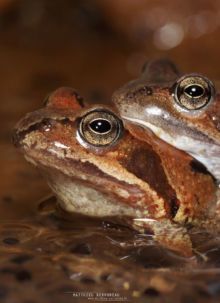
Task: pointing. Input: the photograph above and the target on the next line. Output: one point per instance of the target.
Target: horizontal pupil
(100, 126)
(194, 91)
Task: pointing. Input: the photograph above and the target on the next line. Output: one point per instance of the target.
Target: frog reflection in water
(96, 167)
(184, 111)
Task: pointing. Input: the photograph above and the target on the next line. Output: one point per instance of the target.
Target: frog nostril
(45, 125)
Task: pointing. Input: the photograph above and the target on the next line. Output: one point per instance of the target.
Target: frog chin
(76, 196)
(204, 152)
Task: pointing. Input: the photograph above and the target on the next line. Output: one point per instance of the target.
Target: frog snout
(19, 135)
(17, 138)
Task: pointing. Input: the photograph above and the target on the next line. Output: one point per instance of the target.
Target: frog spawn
(98, 256)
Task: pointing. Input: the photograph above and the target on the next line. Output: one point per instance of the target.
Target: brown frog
(96, 166)
(183, 110)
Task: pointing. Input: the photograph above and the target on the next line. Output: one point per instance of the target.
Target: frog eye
(99, 128)
(193, 92)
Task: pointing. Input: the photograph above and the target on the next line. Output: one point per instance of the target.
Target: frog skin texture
(182, 110)
(98, 166)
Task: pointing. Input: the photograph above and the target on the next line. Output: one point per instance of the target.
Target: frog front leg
(168, 234)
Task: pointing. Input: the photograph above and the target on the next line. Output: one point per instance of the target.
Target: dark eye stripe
(145, 164)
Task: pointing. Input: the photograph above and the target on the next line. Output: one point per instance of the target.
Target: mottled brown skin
(149, 102)
(137, 177)
(190, 179)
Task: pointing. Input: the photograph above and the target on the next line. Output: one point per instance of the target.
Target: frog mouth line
(172, 204)
(157, 126)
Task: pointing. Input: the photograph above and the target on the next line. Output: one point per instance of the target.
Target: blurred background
(94, 46)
